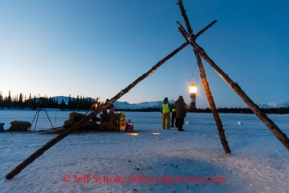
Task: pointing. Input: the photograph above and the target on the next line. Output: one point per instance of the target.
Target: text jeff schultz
(87, 178)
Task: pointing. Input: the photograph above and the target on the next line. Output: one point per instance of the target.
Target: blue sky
(96, 48)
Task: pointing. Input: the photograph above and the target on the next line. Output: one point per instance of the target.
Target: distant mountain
(119, 104)
(157, 104)
(126, 105)
(279, 104)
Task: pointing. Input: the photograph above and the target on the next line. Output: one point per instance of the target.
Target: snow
(258, 162)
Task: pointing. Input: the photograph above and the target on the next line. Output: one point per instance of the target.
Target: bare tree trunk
(65, 133)
(212, 104)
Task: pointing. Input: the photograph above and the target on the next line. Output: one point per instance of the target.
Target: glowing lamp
(193, 93)
(133, 134)
(193, 88)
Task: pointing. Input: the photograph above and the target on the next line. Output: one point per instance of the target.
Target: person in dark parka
(181, 111)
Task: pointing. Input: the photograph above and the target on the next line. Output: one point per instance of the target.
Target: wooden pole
(183, 12)
(213, 108)
(212, 104)
(68, 131)
(203, 30)
(235, 87)
(189, 37)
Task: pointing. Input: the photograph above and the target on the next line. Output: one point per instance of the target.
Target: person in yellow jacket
(165, 110)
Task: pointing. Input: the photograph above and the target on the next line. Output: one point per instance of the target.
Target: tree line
(22, 102)
(82, 103)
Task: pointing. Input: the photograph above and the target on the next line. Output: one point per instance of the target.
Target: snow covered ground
(149, 162)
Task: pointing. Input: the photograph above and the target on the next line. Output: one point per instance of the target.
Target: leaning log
(65, 133)
(188, 36)
(235, 87)
(183, 12)
(218, 121)
(213, 107)
(203, 30)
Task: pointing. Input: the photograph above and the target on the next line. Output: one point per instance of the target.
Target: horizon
(275, 104)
